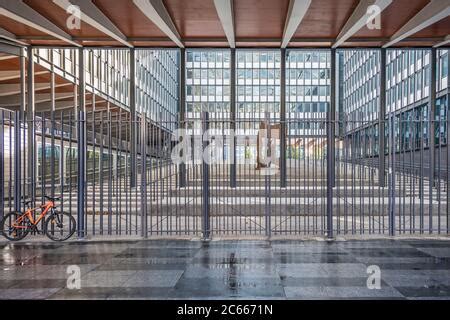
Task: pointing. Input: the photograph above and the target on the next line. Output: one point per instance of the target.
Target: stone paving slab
(226, 269)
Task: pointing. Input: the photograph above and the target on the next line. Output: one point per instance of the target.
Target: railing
(402, 191)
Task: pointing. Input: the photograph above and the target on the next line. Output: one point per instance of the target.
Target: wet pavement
(233, 269)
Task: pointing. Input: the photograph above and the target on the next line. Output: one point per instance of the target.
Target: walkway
(249, 269)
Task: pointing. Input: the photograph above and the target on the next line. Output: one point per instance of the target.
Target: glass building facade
(258, 84)
(408, 81)
(108, 75)
(258, 76)
(307, 90)
(157, 82)
(208, 83)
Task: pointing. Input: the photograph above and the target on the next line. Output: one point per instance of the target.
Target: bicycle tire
(13, 216)
(60, 219)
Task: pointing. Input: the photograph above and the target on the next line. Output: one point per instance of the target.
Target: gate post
(432, 132)
(17, 162)
(81, 142)
(182, 113)
(233, 116)
(330, 146)
(205, 179)
(133, 140)
(31, 129)
(448, 158)
(268, 180)
(144, 139)
(19, 117)
(283, 168)
(381, 121)
(392, 175)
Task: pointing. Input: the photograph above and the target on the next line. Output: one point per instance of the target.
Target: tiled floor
(247, 269)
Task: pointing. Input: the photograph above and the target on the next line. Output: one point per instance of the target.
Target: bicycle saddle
(53, 199)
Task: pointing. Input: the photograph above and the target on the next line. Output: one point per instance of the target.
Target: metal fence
(349, 184)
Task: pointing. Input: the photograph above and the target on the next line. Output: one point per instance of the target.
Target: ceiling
(197, 23)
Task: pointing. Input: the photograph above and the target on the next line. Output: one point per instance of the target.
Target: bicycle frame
(29, 214)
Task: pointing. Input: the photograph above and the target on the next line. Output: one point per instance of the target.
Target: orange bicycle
(59, 226)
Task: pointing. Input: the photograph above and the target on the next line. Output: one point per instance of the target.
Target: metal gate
(317, 183)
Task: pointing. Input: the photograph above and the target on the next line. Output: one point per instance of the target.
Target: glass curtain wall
(157, 81)
(307, 102)
(207, 83)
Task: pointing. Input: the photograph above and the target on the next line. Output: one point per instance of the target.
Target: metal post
(233, 116)
(182, 111)
(30, 116)
(267, 180)
(381, 120)
(392, 170)
(133, 137)
(53, 110)
(17, 163)
(330, 146)
(19, 116)
(283, 171)
(205, 179)
(2, 166)
(431, 137)
(81, 139)
(144, 141)
(448, 157)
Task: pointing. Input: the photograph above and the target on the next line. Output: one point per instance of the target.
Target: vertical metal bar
(233, 116)
(283, 171)
(448, 156)
(19, 116)
(30, 114)
(330, 146)
(53, 110)
(81, 144)
(182, 111)
(392, 148)
(381, 120)
(267, 179)
(431, 137)
(101, 168)
(205, 179)
(144, 139)
(2, 164)
(17, 162)
(133, 141)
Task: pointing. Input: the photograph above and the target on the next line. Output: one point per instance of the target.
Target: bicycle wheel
(12, 230)
(60, 226)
